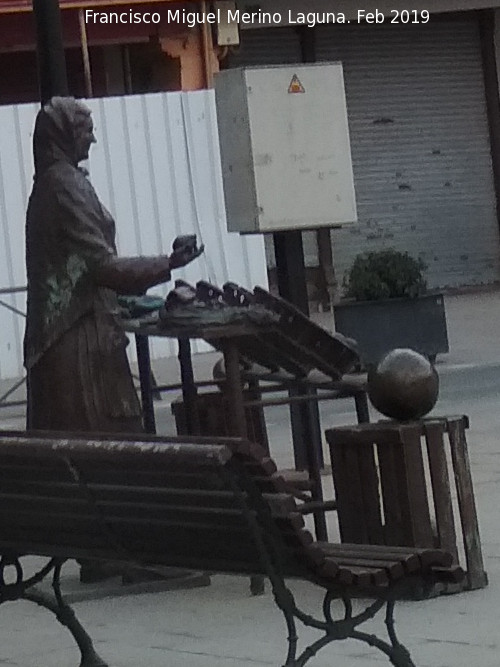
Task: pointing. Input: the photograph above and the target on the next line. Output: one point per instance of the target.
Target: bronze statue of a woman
(78, 374)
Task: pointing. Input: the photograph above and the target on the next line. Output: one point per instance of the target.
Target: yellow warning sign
(295, 85)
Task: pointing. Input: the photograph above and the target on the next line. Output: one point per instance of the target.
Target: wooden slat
(366, 577)
(124, 493)
(392, 569)
(311, 343)
(251, 350)
(409, 562)
(298, 479)
(127, 478)
(416, 487)
(81, 519)
(349, 493)
(380, 433)
(394, 529)
(144, 455)
(147, 523)
(426, 557)
(476, 576)
(287, 355)
(344, 513)
(370, 492)
(453, 575)
(281, 504)
(434, 558)
(440, 481)
(343, 576)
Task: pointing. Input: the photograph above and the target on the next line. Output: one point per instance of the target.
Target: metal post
(52, 75)
(289, 254)
(206, 39)
(290, 268)
(85, 54)
(291, 274)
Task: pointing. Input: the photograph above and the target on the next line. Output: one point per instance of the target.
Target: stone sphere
(404, 385)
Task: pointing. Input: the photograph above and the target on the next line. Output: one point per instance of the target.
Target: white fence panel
(16, 173)
(156, 166)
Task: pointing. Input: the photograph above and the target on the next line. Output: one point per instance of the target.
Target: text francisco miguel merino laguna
(218, 16)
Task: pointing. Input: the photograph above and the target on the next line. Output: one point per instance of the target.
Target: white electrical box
(285, 151)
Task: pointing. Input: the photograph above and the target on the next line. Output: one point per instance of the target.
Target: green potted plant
(387, 306)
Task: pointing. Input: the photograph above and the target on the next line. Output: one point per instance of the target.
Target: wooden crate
(402, 484)
(214, 416)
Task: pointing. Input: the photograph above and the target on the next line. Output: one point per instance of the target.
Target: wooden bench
(216, 505)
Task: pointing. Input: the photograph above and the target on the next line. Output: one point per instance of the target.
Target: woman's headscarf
(56, 129)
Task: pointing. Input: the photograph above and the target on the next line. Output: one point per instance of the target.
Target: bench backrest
(159, 501)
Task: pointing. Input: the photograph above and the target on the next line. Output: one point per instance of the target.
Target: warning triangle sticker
(295, 85)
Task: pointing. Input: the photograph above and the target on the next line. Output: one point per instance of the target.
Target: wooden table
(242, 340)
(227, 335)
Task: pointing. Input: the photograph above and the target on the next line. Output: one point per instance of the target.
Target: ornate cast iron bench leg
(329, 628)
(25, 590)
(337, 629)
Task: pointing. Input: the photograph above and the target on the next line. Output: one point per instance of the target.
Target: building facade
(422, 98)
(423, 111)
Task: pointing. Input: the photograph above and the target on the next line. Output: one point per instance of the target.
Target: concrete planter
(380, 326)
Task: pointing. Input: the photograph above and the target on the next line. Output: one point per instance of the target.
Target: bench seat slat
(393, 570)
(364, 577)
(409, 562)
(453, 575)
(427, 557)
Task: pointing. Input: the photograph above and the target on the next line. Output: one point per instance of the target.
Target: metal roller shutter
(420, 146)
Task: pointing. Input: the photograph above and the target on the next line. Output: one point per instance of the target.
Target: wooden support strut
(476, 576)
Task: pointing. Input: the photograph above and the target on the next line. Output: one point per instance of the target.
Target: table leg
(144, 365)
(234, 389)
(189, 392)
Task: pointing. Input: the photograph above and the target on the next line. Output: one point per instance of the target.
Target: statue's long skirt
(83, 382)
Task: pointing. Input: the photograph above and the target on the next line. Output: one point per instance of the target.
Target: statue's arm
(132, 275)
(135, 275)
(84, 227)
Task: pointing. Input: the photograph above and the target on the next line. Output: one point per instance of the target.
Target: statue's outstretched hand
(185, 249)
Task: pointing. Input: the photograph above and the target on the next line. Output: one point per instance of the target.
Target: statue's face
(84, 137)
